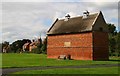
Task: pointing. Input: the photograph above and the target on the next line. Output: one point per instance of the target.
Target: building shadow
(108, 60)
(115, 60)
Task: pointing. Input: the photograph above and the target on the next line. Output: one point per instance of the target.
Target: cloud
(60, 1)
(30, 19)
(22, 23)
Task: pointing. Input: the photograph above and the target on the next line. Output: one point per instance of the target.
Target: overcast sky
(25, 19)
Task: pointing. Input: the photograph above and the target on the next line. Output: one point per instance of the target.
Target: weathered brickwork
(80, 47)
(100, 43)
(83, 46)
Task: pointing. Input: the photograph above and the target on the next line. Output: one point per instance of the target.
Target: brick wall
(79, 46)
(100, 43)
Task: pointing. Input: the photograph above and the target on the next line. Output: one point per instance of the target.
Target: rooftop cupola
(85, 14)
(67, 17)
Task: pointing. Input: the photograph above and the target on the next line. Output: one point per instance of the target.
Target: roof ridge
(81, 16)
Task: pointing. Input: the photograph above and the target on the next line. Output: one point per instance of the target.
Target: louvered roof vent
(67, 17)
(85, 14)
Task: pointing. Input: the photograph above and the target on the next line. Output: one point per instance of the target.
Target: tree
(118, 43)
(39, 45)
(44, 46)
(17, 45)
(111, 29)
(112, 45)
(112, 39)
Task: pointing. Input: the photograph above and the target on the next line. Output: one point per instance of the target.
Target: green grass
(11, 60)
(103, 70)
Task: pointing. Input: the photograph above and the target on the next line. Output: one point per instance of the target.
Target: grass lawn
(27, 60)
(103, 70)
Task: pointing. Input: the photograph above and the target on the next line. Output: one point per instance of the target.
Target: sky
(30, 19)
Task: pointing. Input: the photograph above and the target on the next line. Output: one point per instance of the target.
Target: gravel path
(12, 70)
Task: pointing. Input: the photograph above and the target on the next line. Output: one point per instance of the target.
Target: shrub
(36, 50)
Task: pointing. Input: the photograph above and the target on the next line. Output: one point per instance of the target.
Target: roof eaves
(69, 32)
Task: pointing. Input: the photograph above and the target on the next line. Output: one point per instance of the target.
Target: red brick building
(83, 38)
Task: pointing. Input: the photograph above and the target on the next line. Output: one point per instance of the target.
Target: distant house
(26, 46)
(5, 49)
(82, 38)
(34, 44)
(29, 46)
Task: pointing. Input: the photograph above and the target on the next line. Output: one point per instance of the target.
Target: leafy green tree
(44, 46)
(112, 39)
(111, 29)
(112, 46)
(39, 45)
(17, 45)
(118, 43)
